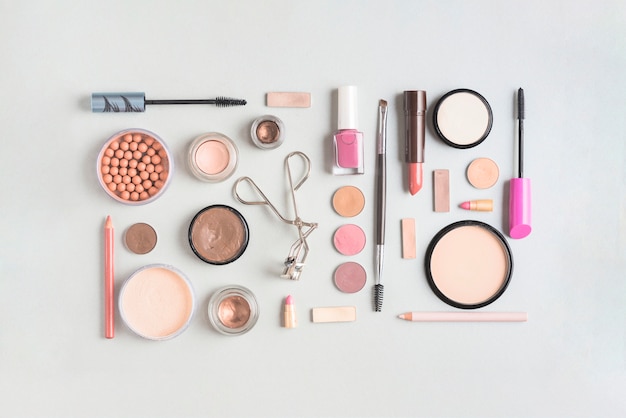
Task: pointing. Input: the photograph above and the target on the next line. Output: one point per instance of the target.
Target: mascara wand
(136, 102)
(519, 187)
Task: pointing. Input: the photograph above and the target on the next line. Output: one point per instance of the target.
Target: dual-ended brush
(136, 102)
(381, 202)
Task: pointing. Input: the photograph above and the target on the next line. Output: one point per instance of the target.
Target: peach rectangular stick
(408, 238)
(288, 99)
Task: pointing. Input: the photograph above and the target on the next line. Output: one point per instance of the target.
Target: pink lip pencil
(519, 192)
(109, 319)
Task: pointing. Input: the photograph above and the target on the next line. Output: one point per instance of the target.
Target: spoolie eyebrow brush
(136, 102)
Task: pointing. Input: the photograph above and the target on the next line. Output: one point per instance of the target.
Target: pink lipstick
(289, 313)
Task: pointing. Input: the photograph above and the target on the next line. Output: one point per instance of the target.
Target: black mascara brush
(136, 102)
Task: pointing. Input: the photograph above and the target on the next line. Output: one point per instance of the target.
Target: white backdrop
(567, 360)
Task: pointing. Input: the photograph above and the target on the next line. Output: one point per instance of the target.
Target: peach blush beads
(134, 167)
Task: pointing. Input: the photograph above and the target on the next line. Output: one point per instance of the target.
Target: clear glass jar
(233, 310)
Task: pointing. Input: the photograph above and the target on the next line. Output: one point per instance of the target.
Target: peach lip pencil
(109, 319)
(415, 134)
(464, 316)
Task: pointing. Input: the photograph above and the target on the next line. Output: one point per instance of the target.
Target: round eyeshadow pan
(349, 239)
(468, 264)
(140, 238)
(350, 277)
(483, 173)
(348, 201)
(462, 118)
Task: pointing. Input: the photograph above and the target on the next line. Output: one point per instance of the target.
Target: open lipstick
(415, 134)
(289, 313)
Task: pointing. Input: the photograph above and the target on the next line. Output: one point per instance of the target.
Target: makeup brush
(381, 194)
(136, 102)
(519, 192)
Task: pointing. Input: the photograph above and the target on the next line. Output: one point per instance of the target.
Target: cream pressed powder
(213, 157)
(468, 264)
(157, 302)
(462, 118)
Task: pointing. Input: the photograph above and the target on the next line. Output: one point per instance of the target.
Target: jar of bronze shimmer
(233, 310)
(218, 234)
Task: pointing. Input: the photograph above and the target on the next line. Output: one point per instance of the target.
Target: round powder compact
(218, 234)
(348, 201)
(350, 277)
(267, 132)
(134, 166)
(233, 310)
(140, 238)
(157, 302)
(349, 239)
(213, 157)
(483, 173)
(468, 264)
(462, 118)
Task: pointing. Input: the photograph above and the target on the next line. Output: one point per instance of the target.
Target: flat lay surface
(222, 337)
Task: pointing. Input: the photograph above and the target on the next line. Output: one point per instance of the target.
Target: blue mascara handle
(118, 102)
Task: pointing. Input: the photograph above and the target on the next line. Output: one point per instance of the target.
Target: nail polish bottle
(347, 141)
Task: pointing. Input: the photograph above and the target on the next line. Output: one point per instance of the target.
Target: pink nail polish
(348, 141)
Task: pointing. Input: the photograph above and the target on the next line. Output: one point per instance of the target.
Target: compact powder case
(462, 118)
(157, 302)
(218, 234)
(233, 310)
(468, 264)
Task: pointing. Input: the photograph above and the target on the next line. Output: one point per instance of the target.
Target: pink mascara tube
(519, 192)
